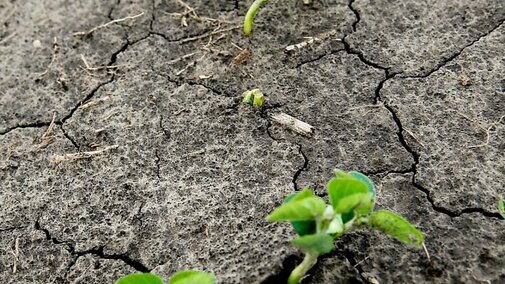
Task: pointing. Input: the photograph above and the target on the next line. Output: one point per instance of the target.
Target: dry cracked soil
(126, 147)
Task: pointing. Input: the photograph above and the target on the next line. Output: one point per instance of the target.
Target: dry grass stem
(56, 48)
(485, 130)
(47, 138)
(91, 103)
(103, 26)
(57, 159)
(416, 139)
(15, 253)
(5, 39)
(310, 40)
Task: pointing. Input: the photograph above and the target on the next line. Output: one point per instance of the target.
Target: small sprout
(501, 207)
(253, 97)
(182, 277)
(352, 198)
(253, 10)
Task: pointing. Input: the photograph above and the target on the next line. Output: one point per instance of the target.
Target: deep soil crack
(135, 264)
(455, 55)
(356, 14)
(301, 169)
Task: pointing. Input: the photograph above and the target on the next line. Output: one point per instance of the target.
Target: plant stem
(249, 17)
(297, 274)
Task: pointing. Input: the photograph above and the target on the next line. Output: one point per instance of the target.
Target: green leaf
(302, 228)
(317, 243)
(192, 277)
(501, 207)
(396, 227)
(347, 194)
(140, 278)
(299, 195)
(299, 210)
(363, 178)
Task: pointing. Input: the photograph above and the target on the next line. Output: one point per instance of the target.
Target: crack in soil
(356, 14)
(318, 57)
(125, 258)
(77, 146)
(157, 160)
(398, 123)
(301, 169)
(288, 264)
(23, 126)
(349, 255)
(455, 55)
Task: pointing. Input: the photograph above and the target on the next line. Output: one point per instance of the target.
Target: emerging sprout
(253, 97)
(253, 10)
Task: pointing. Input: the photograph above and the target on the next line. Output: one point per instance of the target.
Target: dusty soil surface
(127, 149)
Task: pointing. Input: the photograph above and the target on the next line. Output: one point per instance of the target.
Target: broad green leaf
(347, 193)
(501, 207)
(140, 278)
(317, 243)
(396, 227)
(363, 178)
(302, 228)
(299, 210)
(192, 277)
(299, 195)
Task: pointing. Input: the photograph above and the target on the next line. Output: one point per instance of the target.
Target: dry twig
(56, 48)
(416, 139)
(310, 40)
(57, 159)
(103, 26)
(47, 138)
(15, 253)
(484, 130)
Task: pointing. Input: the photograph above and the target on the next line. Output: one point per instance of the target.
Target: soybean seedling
(253, 10)
(352, 199)
(253, 97)
(501, 207)
(182, 277)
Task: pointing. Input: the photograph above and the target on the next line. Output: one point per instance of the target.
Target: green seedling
(317, 224)
(253, 97)
(182, 277)
(253, 10)
(501, 207)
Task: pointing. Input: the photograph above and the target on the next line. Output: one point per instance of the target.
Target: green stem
(249, 17)
(297, 274)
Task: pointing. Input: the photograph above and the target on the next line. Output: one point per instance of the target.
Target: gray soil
(175, 173)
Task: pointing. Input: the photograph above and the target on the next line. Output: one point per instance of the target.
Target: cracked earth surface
(409, 92)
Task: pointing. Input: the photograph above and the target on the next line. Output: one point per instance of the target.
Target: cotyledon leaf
(396, 227)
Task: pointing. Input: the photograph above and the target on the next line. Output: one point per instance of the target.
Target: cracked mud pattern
(129, 150)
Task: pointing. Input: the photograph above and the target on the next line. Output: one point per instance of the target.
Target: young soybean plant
(352, 198)
(182, 277)
(253, 10)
